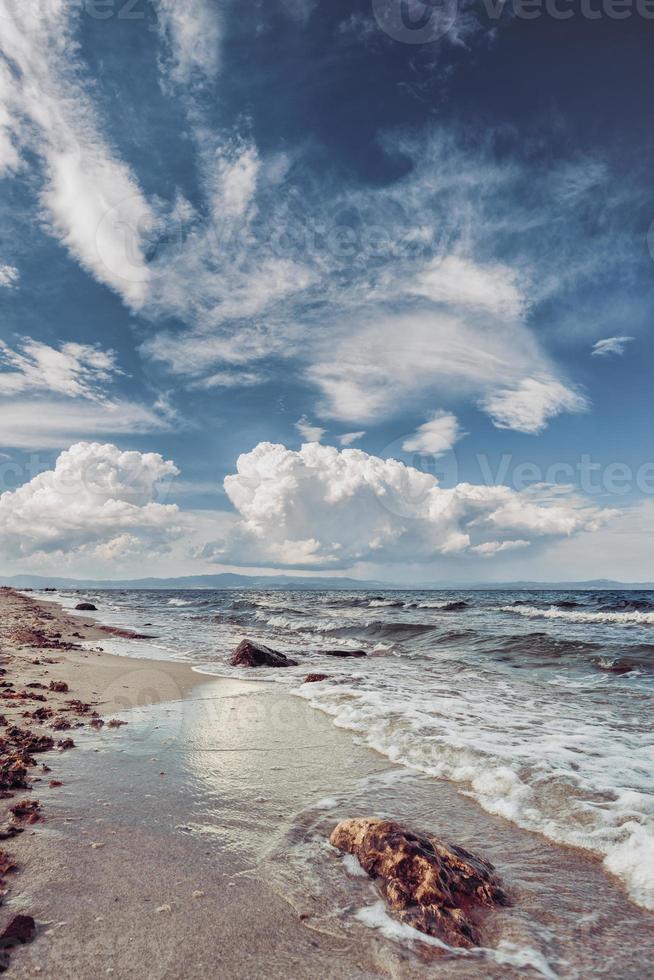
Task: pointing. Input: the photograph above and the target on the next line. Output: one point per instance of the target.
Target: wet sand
(210, 812)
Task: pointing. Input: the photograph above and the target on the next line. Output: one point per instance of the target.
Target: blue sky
(230, 232)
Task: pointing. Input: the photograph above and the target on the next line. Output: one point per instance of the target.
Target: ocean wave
(543, 645)
(567, 775)
(443, 605)
(627, 605)
(634, 618)
(180, 602)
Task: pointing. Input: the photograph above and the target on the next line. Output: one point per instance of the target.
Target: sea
(538, 705)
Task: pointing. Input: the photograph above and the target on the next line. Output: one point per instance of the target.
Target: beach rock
(438, 888)
(20, 929)
(86, 607)
(312, 678)
(343, 653)
(249, 654)
(59, 687)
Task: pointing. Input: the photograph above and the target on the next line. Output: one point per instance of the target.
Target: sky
(338, 288)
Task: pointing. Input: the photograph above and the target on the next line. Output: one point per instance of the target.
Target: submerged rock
(86, 607)
(249, 654)
(343, 653)
(438, 888)
(312, 678)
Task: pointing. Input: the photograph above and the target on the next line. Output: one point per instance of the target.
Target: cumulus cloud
(75, 370)
(528, 405)
(611, 345)
(9, 276)
(97, 500)
(94, 204)
(321, 507)
(436, 436)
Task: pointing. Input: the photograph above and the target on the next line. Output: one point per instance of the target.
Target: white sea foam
(568, 765)
(507, 954)
(180, 602)
(632, 618)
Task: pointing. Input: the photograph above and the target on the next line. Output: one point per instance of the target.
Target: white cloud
(9, 276)
(528, 405)
(349, 437)
(490, 548)
(96, 497)
(236, 170)
(611, 345)
(457, 281)
(436, 436)
(393, 360)
(50, 424)
(75, 370)
(309, 432)
(228, 379)
(94, 204)
(191, 29)
(321, 507)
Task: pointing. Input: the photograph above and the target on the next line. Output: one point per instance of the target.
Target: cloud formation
(436, 436)
(9, 276)
(75, 370)
(192, 32)
(611, 345)
(97, 500)
(529, 405)
(93, 202)
(320, 507)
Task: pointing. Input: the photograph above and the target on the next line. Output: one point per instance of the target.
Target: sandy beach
(194, 838)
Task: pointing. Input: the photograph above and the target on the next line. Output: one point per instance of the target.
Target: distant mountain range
(229, 580)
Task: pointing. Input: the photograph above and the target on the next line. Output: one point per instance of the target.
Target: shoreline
(209, 814)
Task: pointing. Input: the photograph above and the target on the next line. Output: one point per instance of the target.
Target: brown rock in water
(86, 607)
(312, 678)
(21, 929)
(438, 888)
(248, 654)
(343, 653)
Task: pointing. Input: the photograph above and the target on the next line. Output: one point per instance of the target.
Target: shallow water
(538, 705)
(238, 788)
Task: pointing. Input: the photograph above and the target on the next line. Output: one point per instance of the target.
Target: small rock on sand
(21, 929)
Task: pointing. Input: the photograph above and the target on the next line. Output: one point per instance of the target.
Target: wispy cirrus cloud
(192, 33)
(9, 276)
(611, 345)
(91, 198)
(71, 369)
